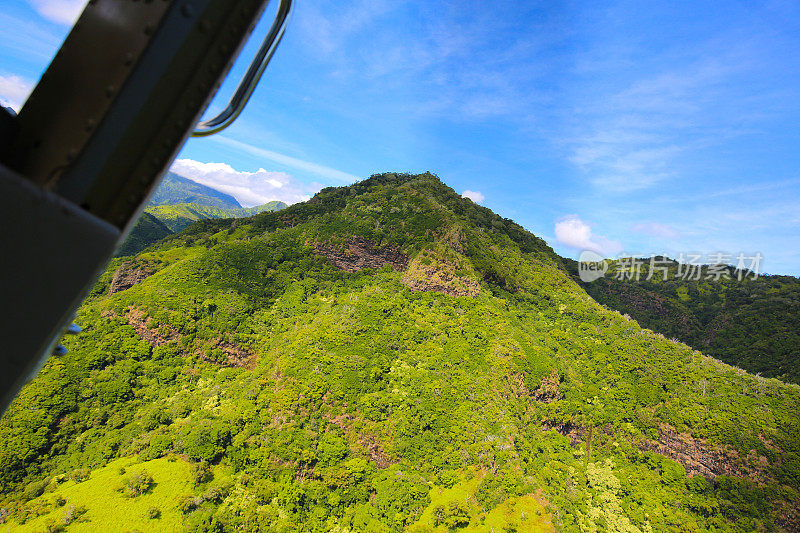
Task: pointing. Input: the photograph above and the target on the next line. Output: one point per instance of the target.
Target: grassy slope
(159, 221)
(354, 371)
(109, 510)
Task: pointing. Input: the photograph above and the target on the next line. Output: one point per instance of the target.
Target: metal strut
(250, 80)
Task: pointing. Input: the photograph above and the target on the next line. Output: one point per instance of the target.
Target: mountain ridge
(178, 216)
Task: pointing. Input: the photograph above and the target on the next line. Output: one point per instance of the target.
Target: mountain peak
(390, 356)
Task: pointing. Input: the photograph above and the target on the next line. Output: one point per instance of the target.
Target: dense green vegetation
(178, 216)
(175, 189)
(752, 322)
(249, 384)
(147, 230)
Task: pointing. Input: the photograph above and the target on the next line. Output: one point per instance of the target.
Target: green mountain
(750, 323)
(175, 189)
(159, 221)
(148, 229)
(178, 216)
(387, 356)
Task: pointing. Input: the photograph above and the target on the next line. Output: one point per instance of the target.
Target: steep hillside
(175, 189)
(387, 356)
(751, 323)
(148, 229)
(178, 216)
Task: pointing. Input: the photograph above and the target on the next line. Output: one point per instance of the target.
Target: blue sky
(636, 127)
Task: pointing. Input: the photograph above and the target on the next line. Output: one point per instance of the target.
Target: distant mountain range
(178, 202)
(175, 189)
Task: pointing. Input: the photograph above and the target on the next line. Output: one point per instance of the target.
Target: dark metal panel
(159, 106)
(108, 117)
(80, 85)
(52, 252)
(121, 96)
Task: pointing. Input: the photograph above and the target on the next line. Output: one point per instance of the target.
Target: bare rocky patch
(368, 443)
(129, 274)
(358, 253)
(139, 319)
(700, 458)
(696, 455)
(442, 269)
(568, 429)
(218, 352)
(227, 354)
(546, 392)
(548, 388)
(439, 278)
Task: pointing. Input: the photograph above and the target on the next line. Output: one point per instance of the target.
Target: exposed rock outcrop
(572, 431)
(546, 392)
(439, 278)
(141, 322)
(359, 253)
(548, 388)
(127, 275)
(699, 458)
(368, 443)
(227, 354)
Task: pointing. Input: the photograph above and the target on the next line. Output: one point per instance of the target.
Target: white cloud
(575, 233)
(320, 170)
(249, 188)
(60, 11)
(656, 229)
(475, 196)
(14, 91)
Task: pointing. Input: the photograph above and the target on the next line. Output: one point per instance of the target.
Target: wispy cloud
(318, 170)
(328, 29)
(14, 90)
(456, 62)
(573, 232)
(645, 127)
(624, 165)
(28, 38)
(249, 188)
(60, 11)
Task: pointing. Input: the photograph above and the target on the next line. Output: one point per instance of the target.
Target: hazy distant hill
(753, 324)
(175, 189)
(387, 356)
